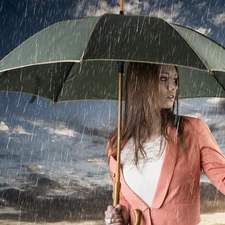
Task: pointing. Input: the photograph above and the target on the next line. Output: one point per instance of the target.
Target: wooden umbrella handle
(116, 196)
(137, 214)
(116, 188)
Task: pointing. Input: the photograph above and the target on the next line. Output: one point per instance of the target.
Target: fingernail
(116, 209)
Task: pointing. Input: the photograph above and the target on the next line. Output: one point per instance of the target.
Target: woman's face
(168, 85)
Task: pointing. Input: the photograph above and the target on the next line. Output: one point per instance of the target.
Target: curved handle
(137, 214)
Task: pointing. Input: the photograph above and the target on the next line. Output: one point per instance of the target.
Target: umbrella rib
(37, 64)
(188, 44)
(56, 98)
(91, 33)
(200, 34)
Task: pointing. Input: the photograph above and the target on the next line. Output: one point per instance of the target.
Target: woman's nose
(172, 84)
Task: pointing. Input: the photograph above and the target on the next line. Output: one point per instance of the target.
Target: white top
(143, 178)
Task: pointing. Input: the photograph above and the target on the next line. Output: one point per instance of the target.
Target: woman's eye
(163, 78)
(166, 79)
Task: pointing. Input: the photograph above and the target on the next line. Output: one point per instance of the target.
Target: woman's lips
(171, 97)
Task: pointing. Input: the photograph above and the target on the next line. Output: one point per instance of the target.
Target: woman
(162, 153)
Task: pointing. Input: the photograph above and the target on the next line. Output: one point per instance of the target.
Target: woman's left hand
(113, 215)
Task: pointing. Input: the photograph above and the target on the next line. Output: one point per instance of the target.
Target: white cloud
(203, 30)
(3, 127)
(146, 6)
(61, 131)
(200, 5)
(39, 123)
(218, 19)
(79, 9)
(214, 101)
(195, 115)
(33, 122)
(20, 130)
(185, 103)
(170, 15)
(132, 7)
(56, 128)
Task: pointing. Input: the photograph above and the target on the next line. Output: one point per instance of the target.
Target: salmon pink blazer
(177, 196)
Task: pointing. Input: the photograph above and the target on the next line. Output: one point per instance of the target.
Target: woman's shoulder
(192, 120)
(196, 124)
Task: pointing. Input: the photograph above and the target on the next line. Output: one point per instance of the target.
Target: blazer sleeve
(212, 160)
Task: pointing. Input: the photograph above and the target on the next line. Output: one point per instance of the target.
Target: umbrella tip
(211, 72)
(32, 99)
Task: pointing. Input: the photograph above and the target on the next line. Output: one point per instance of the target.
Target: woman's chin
(168, 106)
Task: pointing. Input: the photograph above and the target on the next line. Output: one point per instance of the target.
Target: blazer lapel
(126, 191)
(168, 166)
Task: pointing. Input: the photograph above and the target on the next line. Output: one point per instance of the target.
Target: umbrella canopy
(77, 59)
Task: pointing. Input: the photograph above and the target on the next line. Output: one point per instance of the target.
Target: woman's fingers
(124, 214)
(113, 216)
(114, 221)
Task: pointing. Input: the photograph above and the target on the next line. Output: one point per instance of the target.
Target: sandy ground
(8, 222)
(213, 219)
(207, 219)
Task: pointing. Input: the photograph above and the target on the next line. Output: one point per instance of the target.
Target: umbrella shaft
(121, 5)
(117, 184)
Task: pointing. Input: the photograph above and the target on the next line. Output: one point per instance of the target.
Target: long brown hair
(141, 92)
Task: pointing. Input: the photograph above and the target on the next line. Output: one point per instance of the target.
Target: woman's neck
(155, 129)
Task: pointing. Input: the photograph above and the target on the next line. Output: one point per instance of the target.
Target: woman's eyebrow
(175, 75)
(164, 72)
